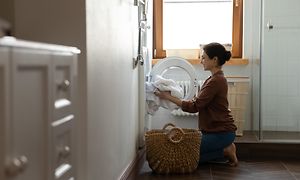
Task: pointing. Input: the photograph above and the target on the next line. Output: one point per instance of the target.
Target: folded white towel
(154, 102)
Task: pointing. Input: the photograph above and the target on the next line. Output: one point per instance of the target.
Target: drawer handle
(16, 165)
(64, 151)
(64, 85)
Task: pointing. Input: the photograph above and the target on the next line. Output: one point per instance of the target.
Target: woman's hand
(167, 95)
(162, 94)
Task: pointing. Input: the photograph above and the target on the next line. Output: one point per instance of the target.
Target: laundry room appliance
(184, 71)
(180, 70)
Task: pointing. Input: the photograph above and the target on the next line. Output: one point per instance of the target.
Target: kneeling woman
(215, 121)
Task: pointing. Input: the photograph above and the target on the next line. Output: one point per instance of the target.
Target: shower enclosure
(276, 82)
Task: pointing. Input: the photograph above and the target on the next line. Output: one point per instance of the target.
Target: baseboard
(134, 167)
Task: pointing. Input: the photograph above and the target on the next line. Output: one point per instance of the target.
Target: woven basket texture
(173, 150)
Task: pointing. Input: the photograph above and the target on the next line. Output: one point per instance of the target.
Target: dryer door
(181, 71)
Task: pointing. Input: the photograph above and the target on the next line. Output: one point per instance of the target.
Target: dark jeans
(213, 144)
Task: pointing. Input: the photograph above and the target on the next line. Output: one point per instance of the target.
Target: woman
(215, 121)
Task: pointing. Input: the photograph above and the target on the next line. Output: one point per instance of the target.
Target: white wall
(108, 90)
(112, 87)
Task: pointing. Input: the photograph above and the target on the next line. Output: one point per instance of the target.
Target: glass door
(280, 62)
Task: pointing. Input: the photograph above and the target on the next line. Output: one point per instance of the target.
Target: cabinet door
(64, 115)
(30, 117)
(4, 95)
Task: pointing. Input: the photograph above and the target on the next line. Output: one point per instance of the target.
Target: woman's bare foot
(230, 152)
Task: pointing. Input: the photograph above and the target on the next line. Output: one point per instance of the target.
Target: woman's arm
(189, 105)
(167, 95)
(207, 93)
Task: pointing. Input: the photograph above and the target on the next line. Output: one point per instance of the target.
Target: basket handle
(172, 131)
(167, 125)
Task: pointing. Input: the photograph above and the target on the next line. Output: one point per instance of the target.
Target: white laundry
(154, 102)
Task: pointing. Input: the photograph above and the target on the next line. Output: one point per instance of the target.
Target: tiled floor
(247, 170)
(275, 165)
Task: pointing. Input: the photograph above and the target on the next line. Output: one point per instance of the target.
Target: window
(180, 18)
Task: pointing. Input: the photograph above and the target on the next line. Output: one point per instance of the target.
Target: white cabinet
(4, 56)
(37, 110)
(62, 125)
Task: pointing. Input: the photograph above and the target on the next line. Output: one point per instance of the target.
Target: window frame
(237, 29)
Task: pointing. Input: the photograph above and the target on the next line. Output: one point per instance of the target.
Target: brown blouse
(212, 105)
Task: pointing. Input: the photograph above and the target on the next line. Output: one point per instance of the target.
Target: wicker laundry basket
(173, 150)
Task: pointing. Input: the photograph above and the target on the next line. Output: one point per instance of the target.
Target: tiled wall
(280, 87)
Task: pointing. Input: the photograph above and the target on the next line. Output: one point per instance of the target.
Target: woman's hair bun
(227, 55)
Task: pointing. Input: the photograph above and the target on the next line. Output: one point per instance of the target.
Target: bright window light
(189, 23)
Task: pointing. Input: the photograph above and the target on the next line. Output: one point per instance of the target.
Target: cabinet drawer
(62, 81)
(63, 84)
(63, 146)
(63, 75)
